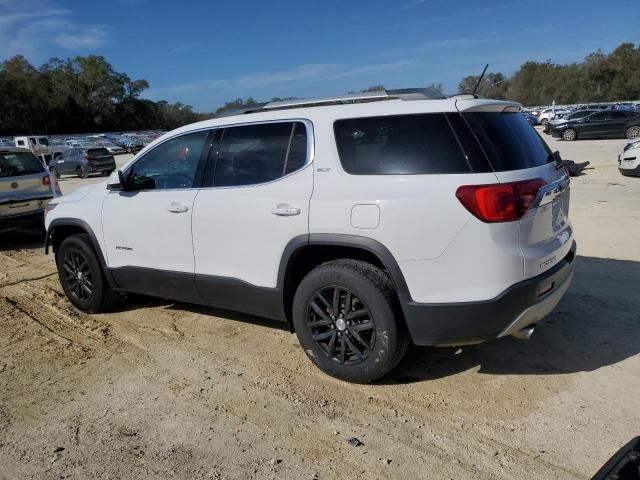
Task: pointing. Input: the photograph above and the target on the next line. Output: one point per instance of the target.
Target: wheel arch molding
(305, 252)
(73, 226)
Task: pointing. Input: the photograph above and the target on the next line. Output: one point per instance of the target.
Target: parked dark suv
(605, 124)
(84, 161)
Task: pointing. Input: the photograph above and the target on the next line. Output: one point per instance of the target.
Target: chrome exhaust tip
(525, 333)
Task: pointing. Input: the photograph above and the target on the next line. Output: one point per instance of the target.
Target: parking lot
(164, 390)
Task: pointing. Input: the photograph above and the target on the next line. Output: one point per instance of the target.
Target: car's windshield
(14, 164)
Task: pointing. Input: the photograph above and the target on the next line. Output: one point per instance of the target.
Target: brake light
(46, 180)
(500, 202)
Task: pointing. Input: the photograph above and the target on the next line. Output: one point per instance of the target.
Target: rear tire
(82, 172)
(569, 135)
(54, 172)
(356, 334)
(633, 132)
(81, 275)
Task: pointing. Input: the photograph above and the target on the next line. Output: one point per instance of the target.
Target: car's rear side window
(259, 153)
(399, 145)
(20, 163)
(508, 140)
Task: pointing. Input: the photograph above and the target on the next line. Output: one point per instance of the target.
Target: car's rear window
(508, 140)
(399, 145)
(15, 164)
(98, 152)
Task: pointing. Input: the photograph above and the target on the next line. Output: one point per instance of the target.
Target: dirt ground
(165, 390)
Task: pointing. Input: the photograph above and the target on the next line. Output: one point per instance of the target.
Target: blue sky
(205, 52)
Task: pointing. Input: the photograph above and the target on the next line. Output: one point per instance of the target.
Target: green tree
(493, 85)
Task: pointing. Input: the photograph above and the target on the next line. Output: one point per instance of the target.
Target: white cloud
(27, 27)
(294, 75)
(413, 4)
(93, 36)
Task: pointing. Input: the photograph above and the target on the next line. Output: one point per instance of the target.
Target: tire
(90, 291)
(54, 172)
(82, 171)
(633, 132)
(544, 122)
(360, 349)
(108, 172)
(569, 135)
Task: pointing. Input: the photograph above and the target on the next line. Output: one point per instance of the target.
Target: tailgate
(517, 153)
(545, 230)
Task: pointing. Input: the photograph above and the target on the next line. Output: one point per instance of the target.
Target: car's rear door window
(258, 153)
(14, 164)
(399, 145)
(508, 140)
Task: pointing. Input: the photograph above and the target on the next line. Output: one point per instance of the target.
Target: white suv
(363, 222)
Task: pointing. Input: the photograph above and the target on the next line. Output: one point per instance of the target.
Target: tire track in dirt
(46, 307)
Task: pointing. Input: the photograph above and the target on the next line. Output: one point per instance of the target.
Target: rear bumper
(520, 305)
(102, 168)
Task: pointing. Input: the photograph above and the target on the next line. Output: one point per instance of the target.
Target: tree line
(85, 94)
(600, 77)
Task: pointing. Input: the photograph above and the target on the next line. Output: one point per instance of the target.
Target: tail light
(46, 180)
(500, 202)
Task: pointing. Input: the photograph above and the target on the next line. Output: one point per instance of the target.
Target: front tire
(633, 132)
(81, 275)
(346, 317)
(569, 135)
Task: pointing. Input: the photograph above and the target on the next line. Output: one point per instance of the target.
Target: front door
(147, 227)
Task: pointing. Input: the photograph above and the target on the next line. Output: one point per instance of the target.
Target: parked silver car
(26, 187)
(113, 149)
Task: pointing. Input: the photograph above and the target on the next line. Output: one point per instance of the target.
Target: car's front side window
(170, 165)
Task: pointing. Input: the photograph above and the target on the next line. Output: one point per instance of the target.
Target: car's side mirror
(116, 181)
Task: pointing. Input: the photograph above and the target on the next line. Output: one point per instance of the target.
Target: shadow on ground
(21, 239)
(595, 325)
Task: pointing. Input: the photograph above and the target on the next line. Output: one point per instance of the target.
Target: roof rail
(363, 97)
(344, 99)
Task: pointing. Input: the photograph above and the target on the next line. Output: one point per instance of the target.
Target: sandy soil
(164, 390)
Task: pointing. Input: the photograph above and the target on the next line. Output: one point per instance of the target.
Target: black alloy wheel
(78, 276)
(341, 325)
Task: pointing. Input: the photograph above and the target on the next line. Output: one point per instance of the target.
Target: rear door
(595, 125)
(65, 164)
(516, 152)
(256, 199)
(616, 124)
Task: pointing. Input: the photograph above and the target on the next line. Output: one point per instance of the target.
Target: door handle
(176, 207)
(285, 210)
